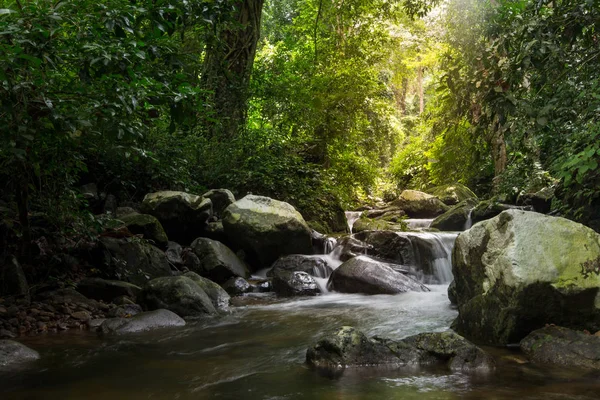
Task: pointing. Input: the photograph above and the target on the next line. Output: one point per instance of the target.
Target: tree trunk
(228, 65)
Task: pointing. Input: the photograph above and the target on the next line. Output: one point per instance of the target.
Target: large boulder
(452, 194)
(182, 215)
(313, 265)
(179, 294)
(488, 209)
(131, 260)
(294, 283)
(142, 322)
(456, 218)
(215, 292)
(147, 226)
(365, 275)
(388, 246)
(266, 229)
(562, 346)
(520, 270)
(420, 205)
(107, 290)
(541, 201)
(216, 261)
(221, 199)
(348, 347)
(12, 353)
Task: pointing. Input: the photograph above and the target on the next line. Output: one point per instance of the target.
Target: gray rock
(174, 253)
(216, 261)
(142, 322)
(12, 353)
(123, 211)
(219, 297)
(179, 294)
(125, 311)
(266, 229)
(107, 290)
(312, 265)
(420, 205)
(561, 346)
(453, 194)
(221, 199)
(294, 283)
(456, 218)
(365, 275)
(148, 226)
(237, 286)
(348, 347)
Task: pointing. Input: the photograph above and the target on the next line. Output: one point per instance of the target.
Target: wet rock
(294, 283)
(453, 194)
(148, 226)
(81, 315)
(107, 290)
(312, 265)
(132, 260)
(125, 311)
(219, 297)
(365, 275)
(221, 199)
(216, 261)
(521, 270)
(367, 224)
(12, 279)
(182, 215)
(266, 229)
(179, 294)
(387, 246)
(142, 322)
(237, 286)
(420, 205)
(12, 353)
(562, 346)
(348, 347)
(456, 218)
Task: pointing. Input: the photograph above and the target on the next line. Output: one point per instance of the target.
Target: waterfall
(417, 224)
(469, 221)
(351, 217)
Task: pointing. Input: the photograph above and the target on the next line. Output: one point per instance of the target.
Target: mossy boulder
(219, 297)
(488, 209)
(453, 194)
(182, 215)
(348, 347)
(216, 261)
(364, 275)
(221, 199)
(419, 204)
(562, 346)
(266, 229)
(521, 270)
(179, 294)
(455, 219)
(367, 224)
(148, 226)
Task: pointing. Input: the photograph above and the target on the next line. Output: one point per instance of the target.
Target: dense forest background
(325, 104)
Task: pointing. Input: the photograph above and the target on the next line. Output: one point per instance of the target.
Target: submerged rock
(520, 270)
(142, 322)
(562, 346)
(266, 229)
(179, 294)
(365, 275)
(312, 265)
(216, 261)
(348, 347)
(237, 286)
(294, 283)
(12, 353)
(420, 205)
(148, 226)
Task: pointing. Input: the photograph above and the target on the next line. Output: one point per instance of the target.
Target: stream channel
(258, 352)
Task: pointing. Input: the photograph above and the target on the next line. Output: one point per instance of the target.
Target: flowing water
(351, 217)
(258, 352)
(418, 223)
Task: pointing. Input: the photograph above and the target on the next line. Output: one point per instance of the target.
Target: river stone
(455, 219)
(215, 292)
(266, 229)
(520, 270)
(365, 275)
(420, 205)
(132, 260)
(221, 199)
(148, 226)
(388, 246)
(182, 215)
(312, 265)
(453, 194)
(107, 290)
(294, 283)
(179, 294)
(562, 346)
(237, 286)
(349, 247)
(142, 322)
(216, 261)
(348, 347)
(12, 353)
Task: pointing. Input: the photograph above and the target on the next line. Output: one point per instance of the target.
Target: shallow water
(258, 353)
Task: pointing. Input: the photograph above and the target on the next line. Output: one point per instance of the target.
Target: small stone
(6, 334)
(34, 311)
(597, 333)
(95, 323)
(62, 326)
(3, 310)
(81, 315)
(41, 326)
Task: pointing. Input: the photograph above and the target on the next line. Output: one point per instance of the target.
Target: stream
(258, 352)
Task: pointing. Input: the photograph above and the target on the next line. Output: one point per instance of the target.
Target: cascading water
(469, 221)
(351, 217)
(431, 255)
(418, 224)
